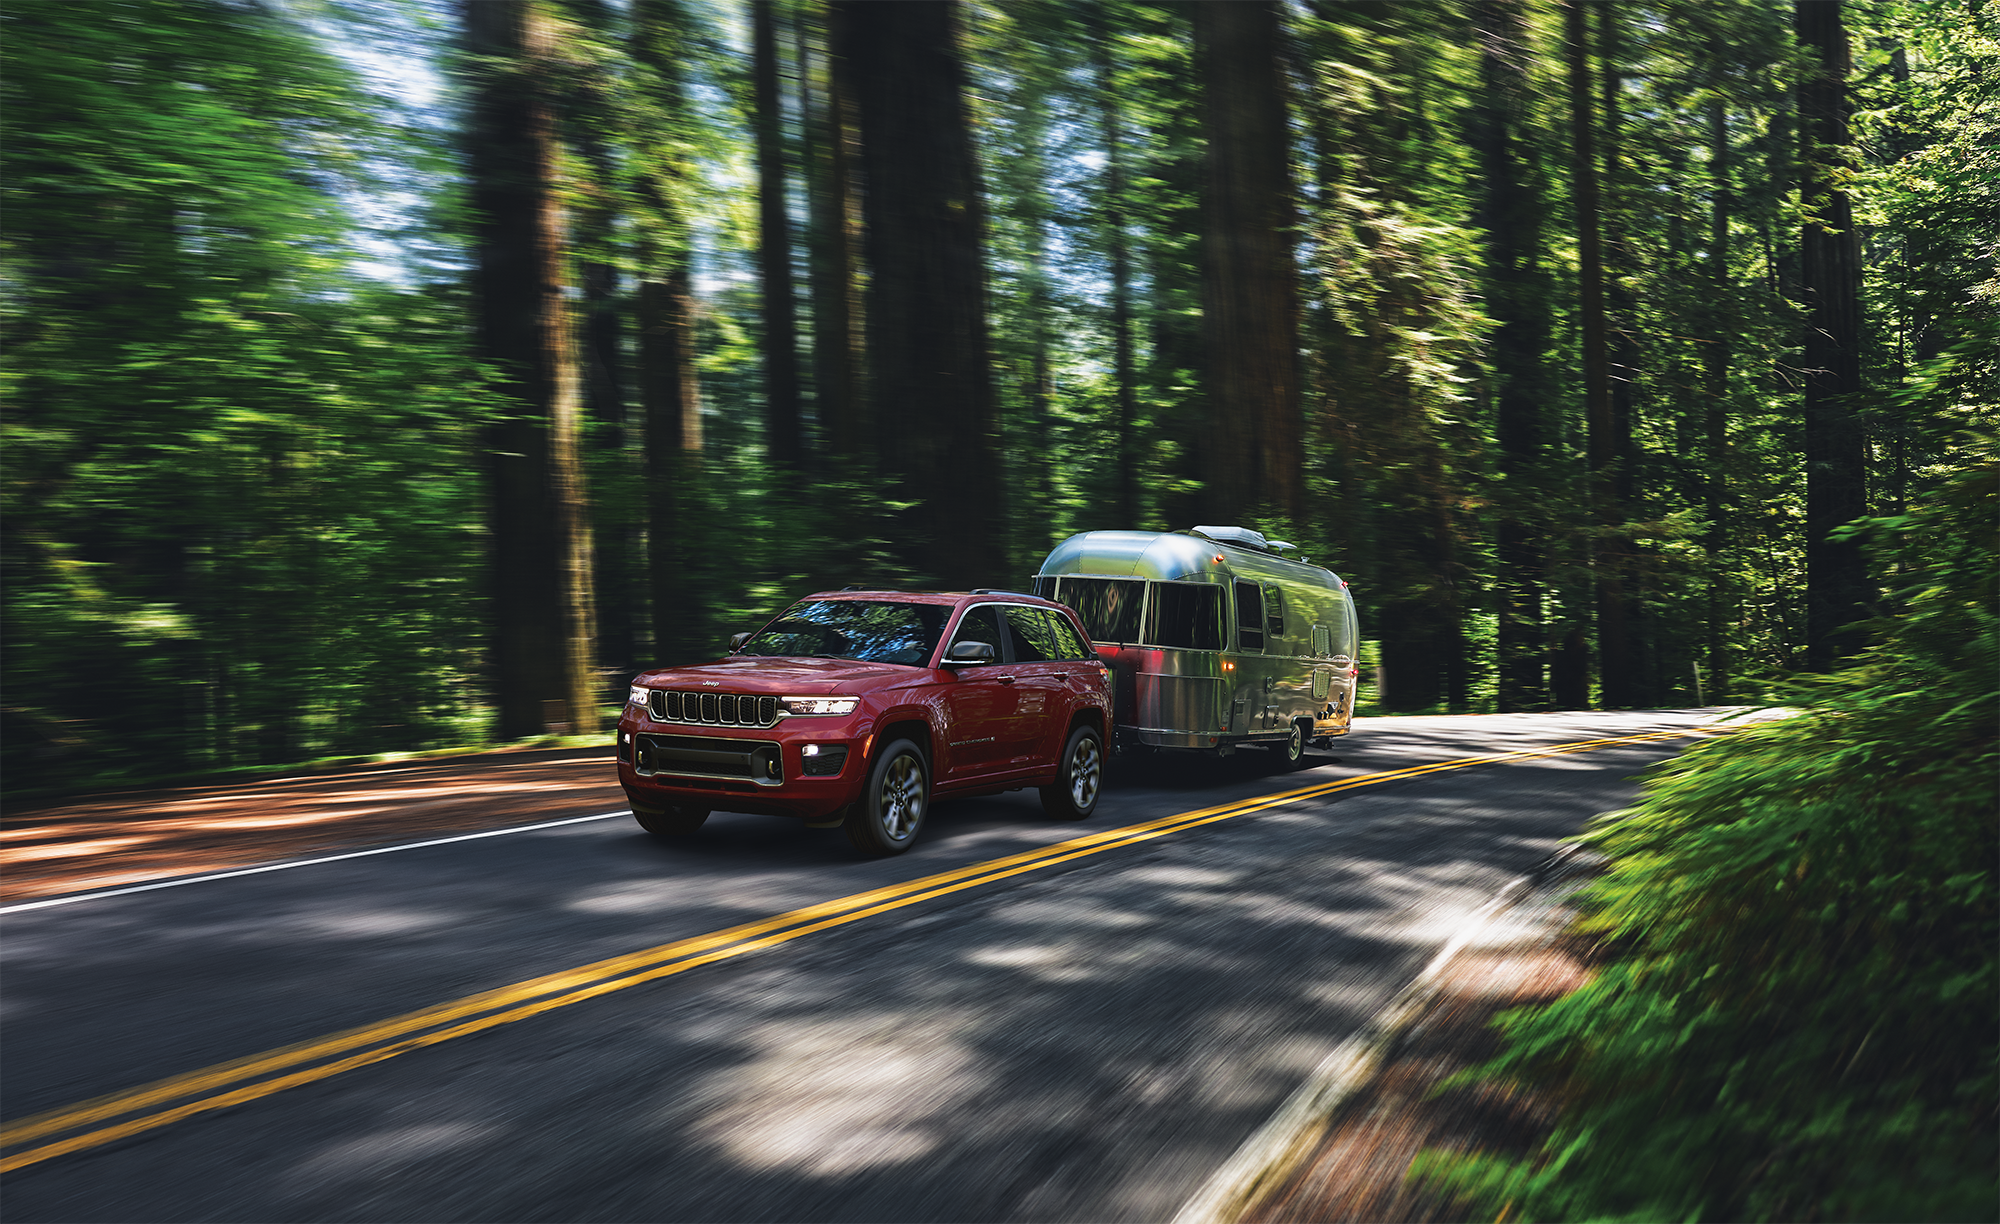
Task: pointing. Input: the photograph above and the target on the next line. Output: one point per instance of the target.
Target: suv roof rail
(856, 587)
(1002, 591)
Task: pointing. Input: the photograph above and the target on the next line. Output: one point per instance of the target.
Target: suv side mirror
(736, 642)
(969, 654)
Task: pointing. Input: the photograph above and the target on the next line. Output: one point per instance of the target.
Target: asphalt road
(1085, 1039)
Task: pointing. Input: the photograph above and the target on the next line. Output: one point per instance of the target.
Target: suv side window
(1033, 640)
(1073, 647)
(980, 625)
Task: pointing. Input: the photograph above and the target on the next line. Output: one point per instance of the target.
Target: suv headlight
(818, 706)
(638, 695)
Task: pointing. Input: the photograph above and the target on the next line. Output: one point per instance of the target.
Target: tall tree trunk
(669, 385)
(1250, 311)
(670, 397)
(1125, 482)
(834, 211)
(1178, 365)
(1716, 360)
(1622, 366)
(774, 255)
(931, 389)
(1510, 211)
(542, 649)
(616, 535)
(1837, 588)
(1613, 655)
(1027, 185)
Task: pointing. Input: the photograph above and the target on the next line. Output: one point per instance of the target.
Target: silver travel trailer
(1215, 637)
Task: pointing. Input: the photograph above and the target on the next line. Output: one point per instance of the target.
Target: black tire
(1294, 747)
(886, 818)
(1079, 777)
(673, 822)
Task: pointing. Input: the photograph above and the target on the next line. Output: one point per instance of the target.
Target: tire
(673, 822)
(1079, 777)
(886, 818)
(1294, 748)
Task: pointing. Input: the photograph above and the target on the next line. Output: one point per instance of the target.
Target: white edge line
(331, 858)
(1274, 1148)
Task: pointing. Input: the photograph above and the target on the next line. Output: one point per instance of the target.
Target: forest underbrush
(1795, 1018)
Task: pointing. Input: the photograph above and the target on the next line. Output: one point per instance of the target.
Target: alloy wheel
(902, 797)
(1086, 767)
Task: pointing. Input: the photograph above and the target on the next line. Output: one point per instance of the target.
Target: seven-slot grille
(716, 709)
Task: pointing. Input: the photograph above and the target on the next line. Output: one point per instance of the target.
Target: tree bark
(782, 437)
(931, 392)
(1510, 212)
(1622, 365)
(542, 616)
(1125, 480)
(1837, 587)
(1607, 562)
(1250, 312)
(1716, 360)
(669, 384)
(834, 208)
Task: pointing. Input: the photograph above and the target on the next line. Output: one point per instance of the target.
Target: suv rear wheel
(1079, 777)
(891, 810)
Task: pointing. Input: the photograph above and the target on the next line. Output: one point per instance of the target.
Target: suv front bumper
(738, 769)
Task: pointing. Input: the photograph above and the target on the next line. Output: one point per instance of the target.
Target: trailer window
(1109, 606)
(1249, 616)
(1186, 616)
(1274, 613)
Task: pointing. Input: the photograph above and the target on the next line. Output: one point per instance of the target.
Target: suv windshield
(865, 630)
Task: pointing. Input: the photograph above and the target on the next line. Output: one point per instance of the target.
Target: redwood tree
(1837, 587)
(1250, 297)
(541, 582)
(930, 381)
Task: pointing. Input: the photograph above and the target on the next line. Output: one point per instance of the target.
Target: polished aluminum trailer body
(1215, 639)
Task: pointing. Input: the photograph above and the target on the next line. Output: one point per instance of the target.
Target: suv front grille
(715, 709)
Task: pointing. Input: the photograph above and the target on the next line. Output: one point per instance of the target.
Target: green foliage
(1798, 1019)
(236, 528)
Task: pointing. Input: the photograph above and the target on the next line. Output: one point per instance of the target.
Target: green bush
(1797, 1017)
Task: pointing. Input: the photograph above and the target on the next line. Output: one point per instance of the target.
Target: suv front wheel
(1079, 777)
(891, 810)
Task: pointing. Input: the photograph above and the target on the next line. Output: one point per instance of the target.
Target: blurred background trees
(388, 373)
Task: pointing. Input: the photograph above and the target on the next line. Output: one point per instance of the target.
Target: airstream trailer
(1215, 637)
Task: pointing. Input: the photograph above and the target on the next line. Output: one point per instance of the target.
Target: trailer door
(1249, 616)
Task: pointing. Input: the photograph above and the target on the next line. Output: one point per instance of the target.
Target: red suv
(856, 707)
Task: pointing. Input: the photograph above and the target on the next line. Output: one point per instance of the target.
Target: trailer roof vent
(1243, 537)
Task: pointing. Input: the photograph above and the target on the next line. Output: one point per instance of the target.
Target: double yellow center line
(110, 1118)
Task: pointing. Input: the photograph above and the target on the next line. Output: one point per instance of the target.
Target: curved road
(1084, 1032)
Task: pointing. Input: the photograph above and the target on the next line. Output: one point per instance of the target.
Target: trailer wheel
(1295, 746)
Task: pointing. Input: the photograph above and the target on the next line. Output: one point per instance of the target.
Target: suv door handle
(1005, 679)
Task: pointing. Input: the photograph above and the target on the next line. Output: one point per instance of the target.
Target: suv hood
(802, 677)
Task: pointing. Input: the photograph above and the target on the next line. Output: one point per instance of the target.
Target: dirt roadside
(1359, 1169)
(1342, 1147)
(133, 837)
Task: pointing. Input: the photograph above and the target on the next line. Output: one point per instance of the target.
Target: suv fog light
(823, 760)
